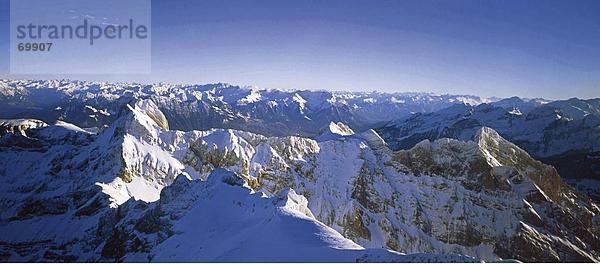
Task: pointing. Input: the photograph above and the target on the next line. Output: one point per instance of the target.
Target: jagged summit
(335, 130)
(564, 134)
(340, 129)
(19, 126)
(479, 159)
(149, 108)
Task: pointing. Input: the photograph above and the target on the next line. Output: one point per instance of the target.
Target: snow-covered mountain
(565, 134)
(138, 191)
(202, 107)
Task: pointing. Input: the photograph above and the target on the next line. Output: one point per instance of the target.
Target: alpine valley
(109, 172)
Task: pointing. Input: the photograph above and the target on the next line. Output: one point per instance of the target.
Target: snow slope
(236, 225)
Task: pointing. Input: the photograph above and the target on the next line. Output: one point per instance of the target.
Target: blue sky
(527, 48)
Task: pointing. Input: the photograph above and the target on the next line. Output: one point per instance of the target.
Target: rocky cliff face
(475, 198)
(138, 191)
(565, 134)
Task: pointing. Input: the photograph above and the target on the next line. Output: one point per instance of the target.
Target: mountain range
(126, 172)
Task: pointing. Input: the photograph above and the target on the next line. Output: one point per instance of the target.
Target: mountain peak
(340, 128)
(19, 126)
(485, 134)
(501, 152)
(149, 108)
(335, 130)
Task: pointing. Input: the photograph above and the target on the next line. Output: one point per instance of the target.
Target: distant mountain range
(268, 112)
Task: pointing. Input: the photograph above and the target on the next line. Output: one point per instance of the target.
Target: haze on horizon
(527, 48)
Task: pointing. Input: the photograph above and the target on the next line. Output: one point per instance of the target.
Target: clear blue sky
(526, 48)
